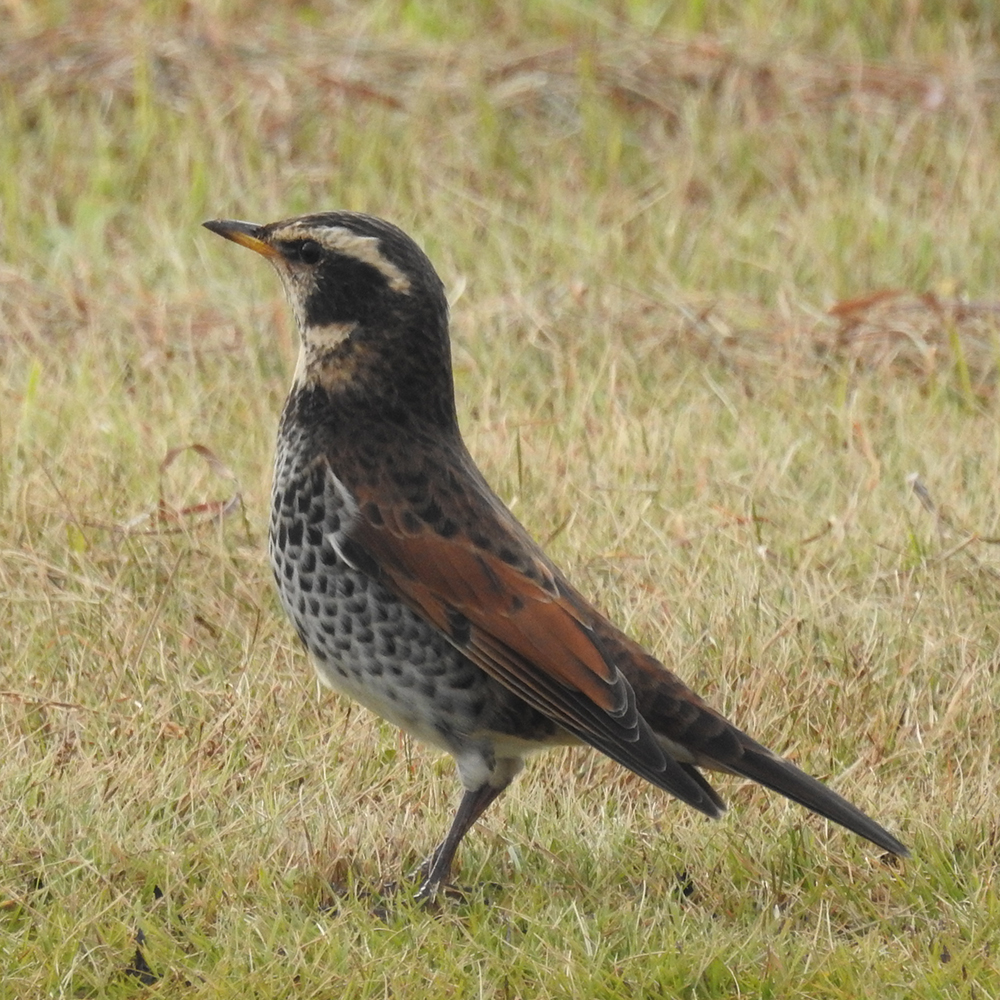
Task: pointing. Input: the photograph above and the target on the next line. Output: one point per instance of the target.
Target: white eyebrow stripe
(364, 248)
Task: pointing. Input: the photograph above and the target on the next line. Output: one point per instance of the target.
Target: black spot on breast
(438, 667)
(293, 536)
(463, 681)
(411, 523)
(373, 514)
(447, 528)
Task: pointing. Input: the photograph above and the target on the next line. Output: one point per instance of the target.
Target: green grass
(644, 214)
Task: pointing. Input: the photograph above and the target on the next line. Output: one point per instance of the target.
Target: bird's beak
(247, 234)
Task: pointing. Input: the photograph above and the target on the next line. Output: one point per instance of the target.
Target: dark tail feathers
(762, 766)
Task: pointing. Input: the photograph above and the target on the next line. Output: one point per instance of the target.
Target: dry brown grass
(725, 332)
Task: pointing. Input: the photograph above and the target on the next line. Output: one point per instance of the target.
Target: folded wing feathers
(534, 634)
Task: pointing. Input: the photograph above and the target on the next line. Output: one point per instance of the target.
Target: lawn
(726, 337)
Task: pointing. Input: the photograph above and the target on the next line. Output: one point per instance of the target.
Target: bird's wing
(493, 593)
(518, 620)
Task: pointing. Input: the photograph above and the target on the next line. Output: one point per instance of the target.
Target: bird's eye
(310, 252)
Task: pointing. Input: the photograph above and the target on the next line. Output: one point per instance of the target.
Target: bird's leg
(438, 866)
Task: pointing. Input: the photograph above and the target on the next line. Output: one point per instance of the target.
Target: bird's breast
(364, 641)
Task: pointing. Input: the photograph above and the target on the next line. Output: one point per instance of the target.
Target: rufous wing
(524, 626)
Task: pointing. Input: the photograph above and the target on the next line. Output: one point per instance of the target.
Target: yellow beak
(247, 234)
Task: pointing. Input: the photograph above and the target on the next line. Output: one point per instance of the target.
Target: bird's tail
(766, 768)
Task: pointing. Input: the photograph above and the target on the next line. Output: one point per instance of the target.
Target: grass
(724, 282)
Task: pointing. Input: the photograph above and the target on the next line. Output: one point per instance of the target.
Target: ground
(724, 293)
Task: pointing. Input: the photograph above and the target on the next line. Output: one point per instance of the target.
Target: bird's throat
(326, 357)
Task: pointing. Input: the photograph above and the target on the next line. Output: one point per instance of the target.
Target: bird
(414, 588)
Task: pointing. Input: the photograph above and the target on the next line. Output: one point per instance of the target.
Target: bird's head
(370, 308)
